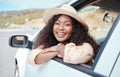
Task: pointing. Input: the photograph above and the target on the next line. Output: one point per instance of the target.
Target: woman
(66, 36)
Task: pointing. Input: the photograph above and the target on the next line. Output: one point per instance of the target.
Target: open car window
(102, 32)
(100, 20)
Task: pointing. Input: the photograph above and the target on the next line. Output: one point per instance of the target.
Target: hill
(19, 17)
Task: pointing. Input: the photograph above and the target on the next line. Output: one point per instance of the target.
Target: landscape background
(14, 19)
(32, 18)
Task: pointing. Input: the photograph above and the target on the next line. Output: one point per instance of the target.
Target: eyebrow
(65, 21)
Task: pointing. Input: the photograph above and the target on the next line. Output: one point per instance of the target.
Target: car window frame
(106, 40)
(86, 68)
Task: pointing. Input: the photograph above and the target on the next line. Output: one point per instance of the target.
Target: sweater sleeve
(32, 55)
(77, 54)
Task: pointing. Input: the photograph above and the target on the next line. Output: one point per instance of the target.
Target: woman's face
(62, 28)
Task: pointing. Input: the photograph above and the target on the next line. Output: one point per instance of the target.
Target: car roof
(81, 3)
(78, 4)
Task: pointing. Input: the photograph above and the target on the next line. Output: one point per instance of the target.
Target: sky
(9, 5)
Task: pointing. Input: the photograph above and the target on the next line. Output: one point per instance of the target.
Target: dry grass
(20, 17)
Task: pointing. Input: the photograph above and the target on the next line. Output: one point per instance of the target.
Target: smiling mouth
(61, 34)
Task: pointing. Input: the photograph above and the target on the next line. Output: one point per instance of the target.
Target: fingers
(59, 47)
(50, 49)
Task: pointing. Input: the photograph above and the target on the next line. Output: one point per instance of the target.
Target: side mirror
(20, 41)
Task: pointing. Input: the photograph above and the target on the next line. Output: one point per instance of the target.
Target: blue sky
(8, 5)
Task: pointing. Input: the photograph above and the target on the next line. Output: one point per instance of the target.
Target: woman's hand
(57, 48)
(50, 49)
(61, 48)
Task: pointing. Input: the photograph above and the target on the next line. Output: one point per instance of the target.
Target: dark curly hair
(79, 35)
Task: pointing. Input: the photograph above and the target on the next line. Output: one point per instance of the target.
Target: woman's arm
(38, 55)
(78, 54)
(43, 57)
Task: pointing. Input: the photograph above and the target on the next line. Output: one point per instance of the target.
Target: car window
(99, 19)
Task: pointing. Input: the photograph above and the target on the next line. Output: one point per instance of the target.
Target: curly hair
(79, 35)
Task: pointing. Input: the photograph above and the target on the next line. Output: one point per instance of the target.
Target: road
(7, 53)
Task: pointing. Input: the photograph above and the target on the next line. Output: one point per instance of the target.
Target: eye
(68, 24)
(57, 23)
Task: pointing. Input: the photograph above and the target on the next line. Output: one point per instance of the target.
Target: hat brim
(49, 13)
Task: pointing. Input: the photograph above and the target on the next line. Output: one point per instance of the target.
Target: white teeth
(60, 34)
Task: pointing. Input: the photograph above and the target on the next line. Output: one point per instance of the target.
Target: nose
(61, 26)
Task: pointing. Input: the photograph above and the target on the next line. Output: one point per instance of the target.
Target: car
(106, 63)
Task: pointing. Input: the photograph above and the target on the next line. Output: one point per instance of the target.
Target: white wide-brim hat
(64, 9)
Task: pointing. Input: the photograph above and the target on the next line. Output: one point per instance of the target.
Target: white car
(106, 64)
